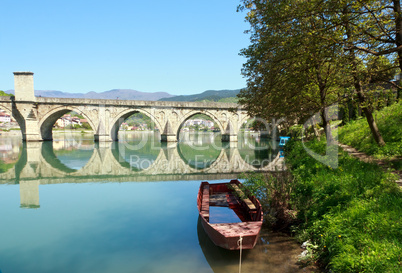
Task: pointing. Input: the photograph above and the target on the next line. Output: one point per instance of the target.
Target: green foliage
(85, 125)
(351, 213)
(140, 118)
(274, 191)
(5, 167)
(295, 131)
(307, 55)
(229, 100)
(288, 72)
(357, 133)
(4, 94)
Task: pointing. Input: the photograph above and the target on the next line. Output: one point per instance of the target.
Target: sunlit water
(72, 206)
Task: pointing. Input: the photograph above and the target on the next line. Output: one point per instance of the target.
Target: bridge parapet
(140, 103)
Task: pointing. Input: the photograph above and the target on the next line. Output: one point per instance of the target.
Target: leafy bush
(273, 190)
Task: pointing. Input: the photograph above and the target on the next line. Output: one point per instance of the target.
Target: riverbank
(350, 215)
(10, 133)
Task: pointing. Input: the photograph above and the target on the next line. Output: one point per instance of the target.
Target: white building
(67, 120)
(4, 117)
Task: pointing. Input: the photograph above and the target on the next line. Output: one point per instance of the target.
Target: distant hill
(210, 95)
(121, 94)
(130, 94)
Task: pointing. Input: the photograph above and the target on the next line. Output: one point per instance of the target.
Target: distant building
(67, 120)
(124, 126)
(208, 123)
(200, 122)
(4, 117)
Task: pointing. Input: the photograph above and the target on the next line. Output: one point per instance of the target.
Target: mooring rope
(240, 244)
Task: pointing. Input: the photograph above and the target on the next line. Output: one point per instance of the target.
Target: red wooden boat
(247, 208)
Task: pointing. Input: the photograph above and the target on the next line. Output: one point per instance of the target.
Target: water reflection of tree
(10, 152)
(4, 167)
(257, 151)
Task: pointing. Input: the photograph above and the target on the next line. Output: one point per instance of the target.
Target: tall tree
(379, 28)
(370, 34)
(294, 65)
(303, 55)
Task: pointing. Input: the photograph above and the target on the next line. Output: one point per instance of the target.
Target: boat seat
(205, 202)
(246, 201)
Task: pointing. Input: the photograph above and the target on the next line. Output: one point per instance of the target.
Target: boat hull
(232, 236)
(248, 241)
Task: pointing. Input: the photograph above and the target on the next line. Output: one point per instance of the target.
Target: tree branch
(375, 53)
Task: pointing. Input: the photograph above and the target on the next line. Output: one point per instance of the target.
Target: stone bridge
(36, 115)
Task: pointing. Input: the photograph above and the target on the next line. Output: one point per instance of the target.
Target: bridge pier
(31, 131)
(31, 168)
(229, 135)
(168, 135)
(102, 138)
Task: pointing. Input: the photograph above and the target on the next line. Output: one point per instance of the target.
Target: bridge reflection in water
(145, 159)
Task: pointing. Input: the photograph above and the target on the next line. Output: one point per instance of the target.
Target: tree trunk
(358, 87)
(327, 127)
(398, 29)
(369, 114)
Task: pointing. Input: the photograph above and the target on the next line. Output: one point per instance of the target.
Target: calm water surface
(73, 206)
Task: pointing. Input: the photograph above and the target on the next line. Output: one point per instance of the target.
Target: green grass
(389, 120)
(351, 214)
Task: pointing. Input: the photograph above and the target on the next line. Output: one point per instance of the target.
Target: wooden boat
(232, 235)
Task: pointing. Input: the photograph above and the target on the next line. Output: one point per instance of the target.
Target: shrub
(273, 190)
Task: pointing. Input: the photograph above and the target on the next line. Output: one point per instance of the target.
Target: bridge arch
(118, 120)
(48, 120)
(203, 112)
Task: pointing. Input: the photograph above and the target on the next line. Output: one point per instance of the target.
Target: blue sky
(180, 47)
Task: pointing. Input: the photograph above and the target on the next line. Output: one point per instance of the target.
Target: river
(73, 205)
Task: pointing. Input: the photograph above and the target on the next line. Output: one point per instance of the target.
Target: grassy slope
(351, 214)
(389, 120)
